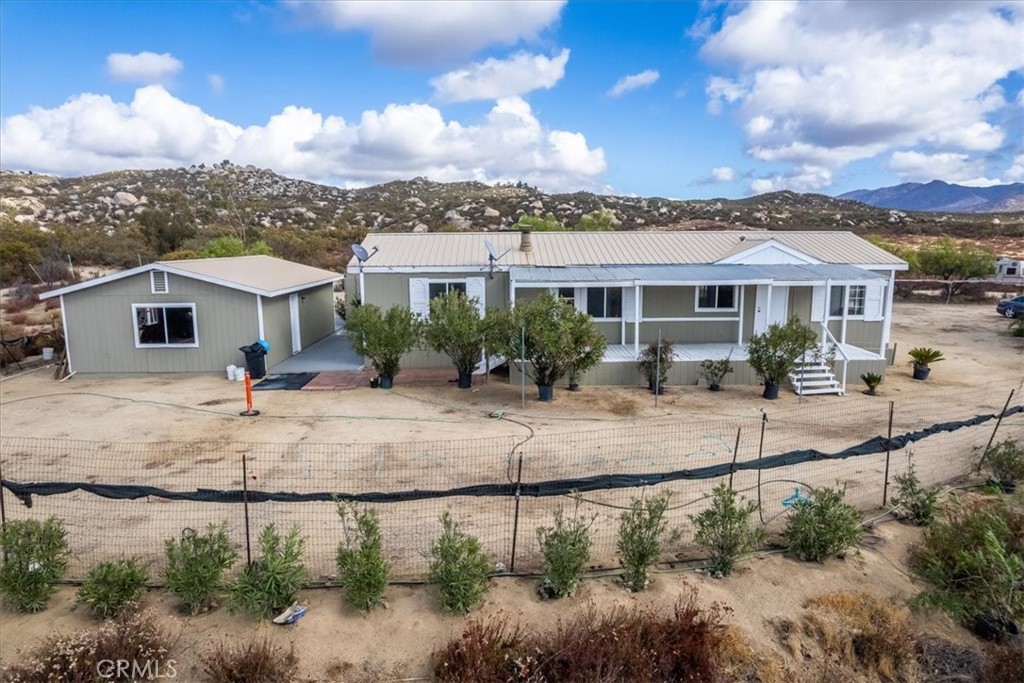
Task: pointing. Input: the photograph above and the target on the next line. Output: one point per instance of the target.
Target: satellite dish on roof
(360, 252)
(493, 255)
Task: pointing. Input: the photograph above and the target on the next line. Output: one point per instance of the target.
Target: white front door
(769, 312)
(293, 310)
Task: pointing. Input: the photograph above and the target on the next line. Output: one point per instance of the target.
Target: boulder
(491, 213)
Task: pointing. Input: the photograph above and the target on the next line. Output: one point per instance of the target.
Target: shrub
(655, 361)
(362, 567)
(923, 357)
(724, 530)
(588, 344)
(90, 656)
(456, 329)
(714, 371)
(872, 380)
(1005, 462)
(113, 587)
(458, 567)
(196, 564)
(255, 661)
(774, 353)
(822, 526)
(638, 645)
(1005, 663)
(383, 337)
(917, 503)
(1017, 327)
(566, 548)
(35, 558)
(974, 561)
(271, 584)
(640, 531)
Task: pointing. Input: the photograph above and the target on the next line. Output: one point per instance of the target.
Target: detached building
(192, 316)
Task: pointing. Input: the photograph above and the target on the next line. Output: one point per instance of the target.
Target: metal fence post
(245, 507)
(760, 451)
(999, 421)
(3, 507)
(515, 519)
(888, 452)
(735, 452)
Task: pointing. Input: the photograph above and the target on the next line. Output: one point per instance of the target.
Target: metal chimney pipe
(525, 242)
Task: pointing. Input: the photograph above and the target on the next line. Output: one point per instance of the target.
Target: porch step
(495, 362)
(814, 378)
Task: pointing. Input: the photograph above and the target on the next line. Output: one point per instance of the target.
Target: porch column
(511, 291)
(739, 332)
(824, 315)
(259, 317)
(768, 307)
(636, 322)
(887, 320)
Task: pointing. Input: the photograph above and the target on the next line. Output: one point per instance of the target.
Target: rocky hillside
(940, 196)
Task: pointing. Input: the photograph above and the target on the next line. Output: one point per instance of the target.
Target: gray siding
(676, 302)
(390, 289)
(316, 314)
(277, 326)
(101, 329)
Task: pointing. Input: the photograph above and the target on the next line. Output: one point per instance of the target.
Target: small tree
(456, 330)
(588, 344)
(655, 362)
(546, 224)
(598, 221)
(640, 531)
(221, 247)
(554, 332)
(714, 371)
(363, 569)
(724, 529)
(384, 337)
(951, 259)
(774, 353)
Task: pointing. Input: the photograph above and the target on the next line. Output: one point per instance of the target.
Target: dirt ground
(184, 432)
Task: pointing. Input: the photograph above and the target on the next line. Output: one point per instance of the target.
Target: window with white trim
(851, 299)
(165, 325)
(716, 298)
(604, 302)
(567, 294)
(441, 288)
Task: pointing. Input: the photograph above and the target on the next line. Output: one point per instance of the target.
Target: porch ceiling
(693, 274)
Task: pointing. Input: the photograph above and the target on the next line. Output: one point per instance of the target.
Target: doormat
(289, 382)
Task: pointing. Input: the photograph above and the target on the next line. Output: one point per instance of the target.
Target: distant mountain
(940, 196)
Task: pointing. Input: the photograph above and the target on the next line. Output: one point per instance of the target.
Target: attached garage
(192, 316)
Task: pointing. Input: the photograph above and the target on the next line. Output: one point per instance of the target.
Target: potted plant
(774, 353)
(456, 330)
(550, 337)
(655, 362)
(923, 357)
(384, 337)
(872, 380)
(714, 371)
(589, 346)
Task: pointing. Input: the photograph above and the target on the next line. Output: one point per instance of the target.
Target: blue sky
(680, 100)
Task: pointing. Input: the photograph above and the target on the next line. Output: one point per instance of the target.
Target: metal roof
(724, 273)
(457, 250)
(264, 275)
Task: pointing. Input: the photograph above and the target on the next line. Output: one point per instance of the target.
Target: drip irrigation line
(694, 502)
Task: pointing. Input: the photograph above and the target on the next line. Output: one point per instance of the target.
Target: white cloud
(414, 31)
(144, 67)
(954, 167)
(644, 79)
(804, 178)
(823, 84)
(497, 78)
(93, 133)
(216, 83)
(1016, 171)
(723, 174)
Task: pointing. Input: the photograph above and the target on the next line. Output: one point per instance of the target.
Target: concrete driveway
(331, 353)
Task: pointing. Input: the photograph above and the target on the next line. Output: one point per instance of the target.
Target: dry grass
(255, 661)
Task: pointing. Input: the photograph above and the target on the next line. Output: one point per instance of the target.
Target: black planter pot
(715, 387)
(771, 391)
(921, 372)
(386, 382)
(465, 380)
(374, 382)
(995, 628)
(574, 386)
(546, 392)
(660, 390)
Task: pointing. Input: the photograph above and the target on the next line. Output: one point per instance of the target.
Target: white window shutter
(580, 299)
(476, 289)
(873, 308)
(818, 304)
(629, 304)
(419, 296)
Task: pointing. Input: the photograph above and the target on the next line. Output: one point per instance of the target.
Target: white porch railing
(839, 350)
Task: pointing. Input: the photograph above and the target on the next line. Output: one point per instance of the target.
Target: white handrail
(839, 348)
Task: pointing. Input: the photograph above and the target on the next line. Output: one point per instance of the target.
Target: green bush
(1005, 462)
(917, 503)
(363, 569)
(640, 531)
(724, 530)
(456, 329)
(383, 337)
(974, 561)
(35, 558)
(459, 567)
(196, 564)
(774, 353)
(566, 548)
(822, 526)
(271, 584)
(111, 588)
(872, 380)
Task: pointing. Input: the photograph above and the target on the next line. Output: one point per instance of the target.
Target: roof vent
(159, 281)
(525, 242)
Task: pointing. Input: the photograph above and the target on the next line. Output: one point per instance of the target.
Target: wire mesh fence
(126, 499)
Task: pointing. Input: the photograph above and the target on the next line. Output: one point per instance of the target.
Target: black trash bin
(255, 359)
